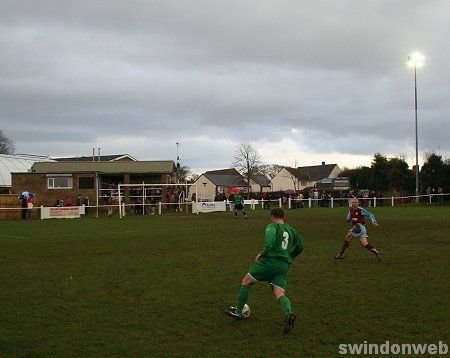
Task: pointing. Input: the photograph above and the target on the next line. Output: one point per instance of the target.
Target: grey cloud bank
(326, 78)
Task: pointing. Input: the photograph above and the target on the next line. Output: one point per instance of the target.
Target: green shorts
(271, 270)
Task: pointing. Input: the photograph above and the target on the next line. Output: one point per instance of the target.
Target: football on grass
(246, 311)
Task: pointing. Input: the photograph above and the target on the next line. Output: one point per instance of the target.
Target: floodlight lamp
(416, 59)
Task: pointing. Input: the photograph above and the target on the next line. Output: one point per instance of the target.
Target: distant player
(281, 245)
(239, 205)
(356, 215)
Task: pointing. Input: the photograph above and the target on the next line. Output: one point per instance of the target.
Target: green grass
(158, 285)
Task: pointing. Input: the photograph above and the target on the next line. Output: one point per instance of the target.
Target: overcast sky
(303, 81)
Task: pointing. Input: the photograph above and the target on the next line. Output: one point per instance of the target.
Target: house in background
(17, 163)
(219, 182)
(215, 182)
(260, 184)
(303, 177)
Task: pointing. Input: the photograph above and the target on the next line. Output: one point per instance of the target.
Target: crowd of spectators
(435, 196)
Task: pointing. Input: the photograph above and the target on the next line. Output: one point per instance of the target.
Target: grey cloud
(224, 70)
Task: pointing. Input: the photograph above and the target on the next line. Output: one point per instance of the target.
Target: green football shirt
(282, 242)
(238, 199)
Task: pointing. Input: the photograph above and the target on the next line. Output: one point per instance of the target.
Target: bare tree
(6, 144)
(193, 177)
(248, 162)
(270, 170)
(183, 173)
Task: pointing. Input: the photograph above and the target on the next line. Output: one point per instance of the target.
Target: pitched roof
(313, 172)
(140, 167)
(261, 180)
(103, 158)
(229, 171)
(17, 163)
(225, 177)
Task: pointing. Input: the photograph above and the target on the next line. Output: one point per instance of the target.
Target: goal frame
(145, 185)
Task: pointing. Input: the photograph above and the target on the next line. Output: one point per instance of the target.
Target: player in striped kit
(356, 215)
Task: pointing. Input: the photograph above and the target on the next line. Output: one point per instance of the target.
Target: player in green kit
(281, 245)
(239, 205)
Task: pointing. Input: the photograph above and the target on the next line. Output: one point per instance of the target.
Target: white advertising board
(250, 202)
(65, 212)
(208, 206)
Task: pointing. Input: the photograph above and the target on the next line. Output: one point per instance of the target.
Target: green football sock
(285, 305)
(242, 298)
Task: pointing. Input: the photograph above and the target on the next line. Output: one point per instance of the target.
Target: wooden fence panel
(12, 201)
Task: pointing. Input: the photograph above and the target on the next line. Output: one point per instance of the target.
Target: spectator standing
(109, 205)
(300, 200)
(350, 196)
(429, 195)
(316, 198)
(29, 208)
(364, 199)
(372, 199)
(440, 195)
(324, 198)
(86, 205)
(24, 208)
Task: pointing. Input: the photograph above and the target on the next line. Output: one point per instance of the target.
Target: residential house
(214, 182)
(260, 184)
(303, 177)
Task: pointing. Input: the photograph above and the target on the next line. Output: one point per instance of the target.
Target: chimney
(93, 154)
(323, 163)
(98, 154)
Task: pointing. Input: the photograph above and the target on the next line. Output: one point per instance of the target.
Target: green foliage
(384, 175)
(360, 178)
(435, 172)
(399, 176)
(379, 173)
(157, 286)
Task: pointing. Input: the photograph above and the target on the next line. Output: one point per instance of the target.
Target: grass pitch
(157, 286)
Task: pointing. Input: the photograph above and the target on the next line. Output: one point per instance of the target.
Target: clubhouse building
(66, 179)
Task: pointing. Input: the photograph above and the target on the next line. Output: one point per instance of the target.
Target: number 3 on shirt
(285, 242)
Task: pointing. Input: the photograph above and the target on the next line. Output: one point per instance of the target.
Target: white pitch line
(15, 237)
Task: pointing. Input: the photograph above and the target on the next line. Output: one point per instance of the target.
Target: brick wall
(37, 184)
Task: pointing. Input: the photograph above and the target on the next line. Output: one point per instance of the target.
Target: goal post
(144, 196)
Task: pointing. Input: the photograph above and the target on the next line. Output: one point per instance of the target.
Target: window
(60, 182)
(86, 183)
(303, 182)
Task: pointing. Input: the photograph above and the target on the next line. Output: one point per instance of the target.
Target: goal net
(150, 199)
